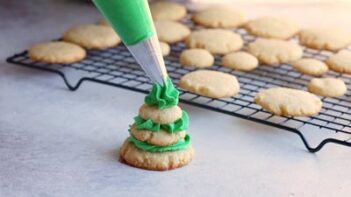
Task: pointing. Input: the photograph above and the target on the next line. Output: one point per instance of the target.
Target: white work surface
(54, 142)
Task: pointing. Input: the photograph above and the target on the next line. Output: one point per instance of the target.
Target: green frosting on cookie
(163, 96)
(179, 125)
(181, 144)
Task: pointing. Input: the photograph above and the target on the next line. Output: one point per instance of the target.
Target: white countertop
(54, 142)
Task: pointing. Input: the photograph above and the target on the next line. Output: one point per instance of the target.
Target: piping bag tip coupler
(132, 21)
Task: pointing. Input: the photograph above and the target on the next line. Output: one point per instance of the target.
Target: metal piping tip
(148, 55)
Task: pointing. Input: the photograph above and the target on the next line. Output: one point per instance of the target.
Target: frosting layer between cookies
(162, 96)
(181, 144)
(177, 126)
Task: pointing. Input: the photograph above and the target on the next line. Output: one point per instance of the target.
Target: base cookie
(219, 17)
(288, 102)
(274, 52)
(92, 36)
(199, 58)
(328, 87)
(310, 66)
(167, 11)
(171, 31)
(216, 41)
(155, 161)
(340, 62)
(240, 61)
(56, 52)
(328, 39)
(209, 83)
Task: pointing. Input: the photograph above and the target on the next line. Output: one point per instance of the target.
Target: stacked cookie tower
(158, 139)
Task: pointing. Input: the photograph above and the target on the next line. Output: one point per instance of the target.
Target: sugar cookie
(273, 51)
(240, 61)
(103, 22)
(92, 36)
(219, 18)
(167, 11)
(57, 52)
(310, 66)
(340, 62)
(328, 39)
(217, 41)
(199, 58)
(165, 48)
(209, 83)
(288, 102)
(272, 27)
(171, 31)
(329, 87)
(164, 116)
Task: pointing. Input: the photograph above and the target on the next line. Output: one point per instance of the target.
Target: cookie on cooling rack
(56, 52)
(340, 62)
(310, 66)
(216, 41)
(92, 36)
(272, 27)
(327, 38)
(328, 87)
(209, 83)
(219, 17)
(288, 102)
(274, 52)
(165, 49)
(171, 31)
(199, 58)
(167, 11)
(240, 61)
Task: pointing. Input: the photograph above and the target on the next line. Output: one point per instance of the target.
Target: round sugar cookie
(273, 51)
(219, 17)
(288, 102)
(165, 116)
(171, 31)
(328, 87)
(157, 138)
(216, 41)
(155, 161)
(92, 36)
(328, 39)
(165, 49)
(167, 11)
(209, 83)
(310, 66)
(272, 27)
(240, 61)
(340, 62)
(199, 58)
(56, 52)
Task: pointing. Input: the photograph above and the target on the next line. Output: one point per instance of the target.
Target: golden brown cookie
(164, 116)
(273, 51)
(167, 11)
(199, 58)
(209, 83)
(165, 49)
(310, 66)
(92, 36)
(171, 31)
(157, 138)
(325, 38)
(329, 87)
(340, 62)
(219, 17)
(288, 102)
(57, 52)
(216, 41)
(240, 61)
(155, 161)
(272, 27)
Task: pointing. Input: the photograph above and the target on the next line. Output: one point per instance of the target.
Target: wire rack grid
(116, 67)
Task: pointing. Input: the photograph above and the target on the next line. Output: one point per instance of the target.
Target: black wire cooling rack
(116, 67)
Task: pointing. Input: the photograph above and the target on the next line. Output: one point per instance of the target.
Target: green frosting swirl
(181, 124)
(181, 144)
(163, 96)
